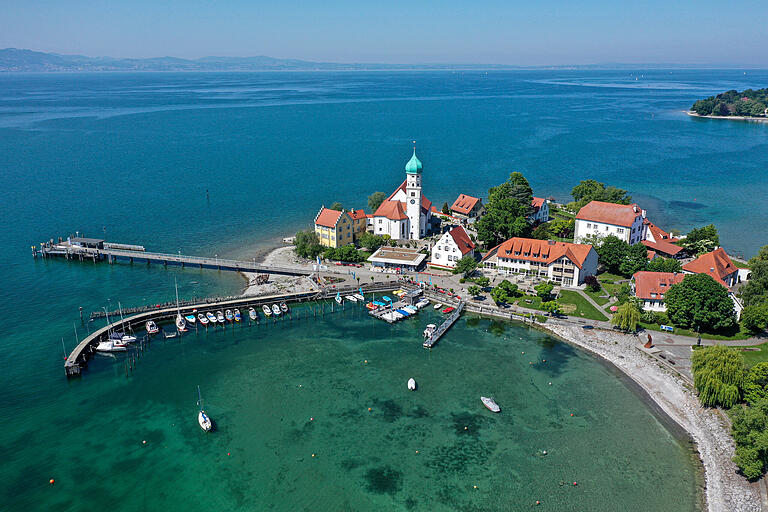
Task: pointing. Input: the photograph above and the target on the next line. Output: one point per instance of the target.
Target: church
(406, 213)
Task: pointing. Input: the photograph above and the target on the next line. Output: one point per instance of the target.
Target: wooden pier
(111, 252)
(432, 340)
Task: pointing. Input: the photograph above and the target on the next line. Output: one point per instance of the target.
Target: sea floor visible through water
(314, 414)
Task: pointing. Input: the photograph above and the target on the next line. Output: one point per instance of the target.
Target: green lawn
(686, 332)
(583, 308)
(740, 264)
(751, 357)
(607, 277)
(595, 296)
(535, 302)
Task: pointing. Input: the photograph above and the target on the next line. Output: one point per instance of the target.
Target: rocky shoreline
(725, 489)
(732, 118)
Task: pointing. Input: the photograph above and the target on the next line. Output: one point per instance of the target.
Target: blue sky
(498, 32)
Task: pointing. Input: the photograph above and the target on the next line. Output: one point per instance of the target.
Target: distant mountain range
(17, 60)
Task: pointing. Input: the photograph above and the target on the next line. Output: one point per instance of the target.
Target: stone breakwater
(726, 490)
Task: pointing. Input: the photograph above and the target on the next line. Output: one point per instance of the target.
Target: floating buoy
(544, 452)
(543, 360)
(228, 454)
(522, 352)
(574, 484)
(369, 409)
(538, 502)
(417, 451)
(51, 481)
(314, 455)
(474, 486)
(366, 361)
(311, 419)
(466, 428)
(530, 362)
(550, 383)
(144, 441)
(571, 414)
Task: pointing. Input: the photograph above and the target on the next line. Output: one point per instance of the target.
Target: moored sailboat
(202, 419)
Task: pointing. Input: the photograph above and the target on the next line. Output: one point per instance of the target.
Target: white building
(651, 287)
(624, 221)
(406, 213)
(540, 210)
(451, 247)
(562, 262)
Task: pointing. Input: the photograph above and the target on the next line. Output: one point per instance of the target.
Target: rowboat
(448, 309)
(211, 317)
(229, 316)
(412, 384)
(266, 310)
(438, 306)
(490, 404)
(238, 317)
(151, 327)
(276, 309)
(191, 319)
(359, 296)
(252, 314)
(220, 317)
(283, 307)
(202, 318)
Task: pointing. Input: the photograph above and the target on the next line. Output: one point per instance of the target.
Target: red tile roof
(663, 246)
(650, 255)
(541, 250)
(460, 236)
(537, 203)
(426, 204)
(610, 213)
(658, 283)
(716, 264)
(357, 214)
(392, 210)
(464, 204)
(658, 233)
(327, 217)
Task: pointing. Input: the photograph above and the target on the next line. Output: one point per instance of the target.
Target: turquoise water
(224, 163)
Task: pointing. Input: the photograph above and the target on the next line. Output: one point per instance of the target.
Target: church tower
(417, 219)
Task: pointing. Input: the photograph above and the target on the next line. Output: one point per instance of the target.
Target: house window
(380, 221)
(589, 225)
(620, 231)
(437, 255)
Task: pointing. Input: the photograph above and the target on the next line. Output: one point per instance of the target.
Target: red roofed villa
(333, 228)
(562, 262)
(625, 221)
(451, 247)
(716, 264)
(467, 207)
(540, 210)
(651, 287)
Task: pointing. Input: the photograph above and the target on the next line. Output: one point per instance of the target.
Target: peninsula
(747, 104)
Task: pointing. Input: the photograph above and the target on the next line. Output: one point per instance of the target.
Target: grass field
(596, 297)
(579, 306)
(751, 357)
(685, 332)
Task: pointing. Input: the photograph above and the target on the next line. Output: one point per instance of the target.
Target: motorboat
(128, 338)
(386, 298)
(220, 317)
(190, 319)
(202, 419)
(266, 310)
(490, 403)
(438, 306)
(252, 314)
(151, 327)
(229, 316)
(412, 384)
(359, 296)
(276, 309)
(238, 316)
(371, 305)
(337, 299)
(429, 330)
(202, 318)
(211, 317)
(422, 303)
(351, 298)
(448, 309)
(283, 307)
(109, 346)
(411, 309)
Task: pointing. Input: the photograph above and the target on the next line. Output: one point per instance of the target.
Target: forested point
(748, 103)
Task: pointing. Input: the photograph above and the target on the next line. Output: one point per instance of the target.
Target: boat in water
(238, 316)
(202, 419)
(449, 309)
(429, 330)
(276, 309)
(266, 310)
(438, 306)
(351, 298)
(253, 314)
(181, 324)
(359, 296)
(220, 317)
(109, 346)
(151, 327)
(283, 307)
(202, 318)
(191, 319)
(422, 303)
(229, 316)
(337, 298)
(211, 317)
(412, 384)
(490, 403)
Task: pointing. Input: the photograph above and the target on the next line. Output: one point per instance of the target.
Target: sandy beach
(726, 490)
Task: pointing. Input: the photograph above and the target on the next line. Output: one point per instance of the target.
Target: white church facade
(406, 213)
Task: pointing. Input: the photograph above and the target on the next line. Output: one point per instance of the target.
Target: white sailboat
(412, 384)
(202, 419)
(126, 338)
(181, 324)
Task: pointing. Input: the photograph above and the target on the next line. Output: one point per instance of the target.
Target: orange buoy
(51, 481)
(571, 414)
(538, 502)
(417, 451)
(369, 409)
(574, 484)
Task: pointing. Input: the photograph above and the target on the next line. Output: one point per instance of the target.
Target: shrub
(592, 283)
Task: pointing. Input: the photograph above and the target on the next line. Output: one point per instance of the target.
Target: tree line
(748, 103)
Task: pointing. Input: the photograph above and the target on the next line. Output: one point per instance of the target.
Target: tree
(718, 375)
(626, 317)
(371, 241)
(664, 265)
(336, 206)
(700, 302)
(562, 227)
(474, 290)
(345, 253)
(466, 265)
(542, 232)
(756, 289)
(375, 200)
(592, 190)
(505, 292)
(507, 211)
(446, 209)
(749, 428)
(701, 240)
(592, 283)
(754, 318)
(551, 306)
(307, 245)
(544, 290)
(611, 252)
(481, 281)
(635, 259)
(756, 383)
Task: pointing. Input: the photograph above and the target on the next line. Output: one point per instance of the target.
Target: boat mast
(176, 284)
(120, 308)
(199, 399)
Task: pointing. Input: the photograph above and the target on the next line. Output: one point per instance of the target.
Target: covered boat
(252, 314)
(220, 317)
(211, 317)
(151, 327)
(202, 318)
(490, 403)
(275, 309)
(412, 384)
(266, 310)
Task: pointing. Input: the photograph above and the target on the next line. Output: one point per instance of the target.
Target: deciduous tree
(718, 375)
(507, 211)
(466, 265)
(626, 317)
(375, 200)
(700, 302)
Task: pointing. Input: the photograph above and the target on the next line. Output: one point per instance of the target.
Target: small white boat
(359, 296)
(283, 307)
(220, 317)
(109, 346)
(202, 419)
(266, 310)
(211, 317)
(412, 384)
(411, 309)
(438, 306)
(351, 298)
(151, 327)
(429, 330)
(229, 316)
(490, 404)
(127, 338)
(252, 314)
(190, 319)
(202, 318)
(337, 299)
(238, 316)
(181, 324)
(276, 309)
(422, 303)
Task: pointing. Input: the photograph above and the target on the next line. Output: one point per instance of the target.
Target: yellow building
(334, 228)
(360, 222)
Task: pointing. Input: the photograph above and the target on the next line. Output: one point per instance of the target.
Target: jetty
(95, 250)
(442, 328)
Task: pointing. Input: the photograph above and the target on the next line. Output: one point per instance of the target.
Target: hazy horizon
(595, 32)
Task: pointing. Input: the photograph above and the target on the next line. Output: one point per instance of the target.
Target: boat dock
(432, 340)
(88, 249)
